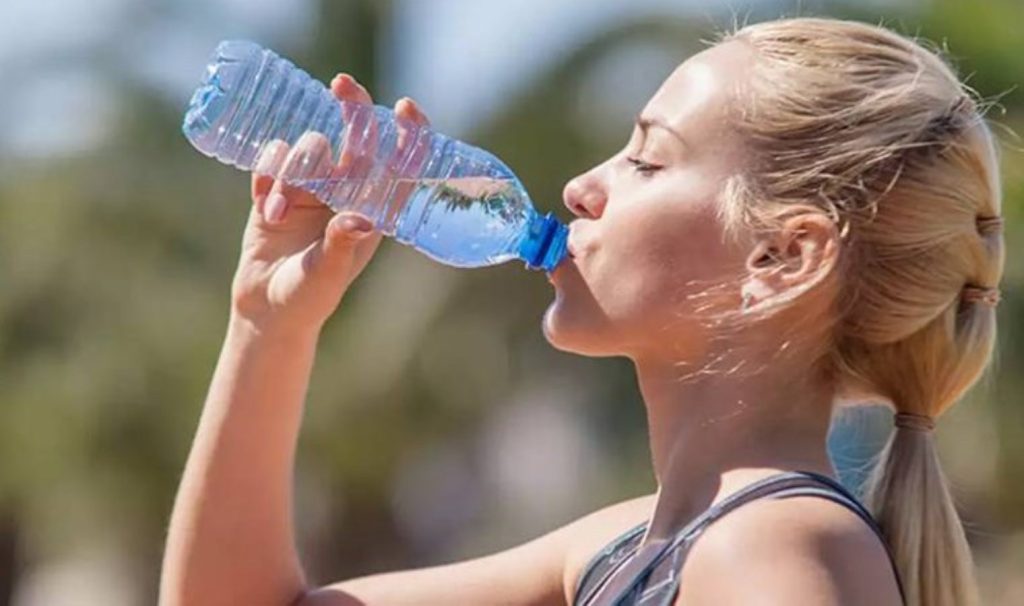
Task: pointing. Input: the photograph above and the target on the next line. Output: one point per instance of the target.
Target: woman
(807, 211)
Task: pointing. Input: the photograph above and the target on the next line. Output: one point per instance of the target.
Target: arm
(543, 572)
(527, 575)
(798, 551)
(231, 538)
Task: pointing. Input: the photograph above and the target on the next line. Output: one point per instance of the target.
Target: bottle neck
(543, 244)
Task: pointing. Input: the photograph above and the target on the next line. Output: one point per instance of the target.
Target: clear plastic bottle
(454, 202)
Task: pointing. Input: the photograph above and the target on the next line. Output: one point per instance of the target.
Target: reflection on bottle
(454, 202)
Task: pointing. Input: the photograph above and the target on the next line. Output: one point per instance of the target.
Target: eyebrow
(645, 124)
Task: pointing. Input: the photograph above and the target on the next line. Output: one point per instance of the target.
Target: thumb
(343, 232)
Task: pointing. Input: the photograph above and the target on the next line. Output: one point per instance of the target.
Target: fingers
(345, 229)
(356, 154)
(412, 149)
(284, 199)
(267, 167)
(307, 165)
(275, 207)
(346, 88)
(407, 109)
(348, 238)
(271, 158)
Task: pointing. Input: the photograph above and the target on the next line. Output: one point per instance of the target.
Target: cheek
(658, 259)
(652, 262)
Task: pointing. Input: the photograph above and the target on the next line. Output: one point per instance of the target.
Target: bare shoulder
(800, 550)
(593, 532)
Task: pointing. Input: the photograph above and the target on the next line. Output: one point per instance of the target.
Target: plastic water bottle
(454, 202)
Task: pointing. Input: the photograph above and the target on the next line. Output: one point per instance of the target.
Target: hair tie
(989, 225)
(981, 294)
(913, 422)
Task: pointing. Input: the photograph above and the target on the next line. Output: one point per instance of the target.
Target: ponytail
(910, 499)
(879, 133)
(907, 492)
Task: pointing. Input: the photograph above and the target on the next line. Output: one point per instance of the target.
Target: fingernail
(356, 224)
(274, 208)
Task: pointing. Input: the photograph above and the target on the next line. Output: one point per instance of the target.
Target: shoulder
(799, 550)
(593, 532)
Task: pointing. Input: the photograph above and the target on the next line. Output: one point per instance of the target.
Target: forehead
(704, 87)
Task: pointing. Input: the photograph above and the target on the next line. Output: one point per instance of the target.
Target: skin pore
(648, 243)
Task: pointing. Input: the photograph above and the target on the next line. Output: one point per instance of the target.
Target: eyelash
(644, 168)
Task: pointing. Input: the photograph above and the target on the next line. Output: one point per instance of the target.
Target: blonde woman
(807, 211)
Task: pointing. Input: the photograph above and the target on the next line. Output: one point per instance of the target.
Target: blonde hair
(873, 130)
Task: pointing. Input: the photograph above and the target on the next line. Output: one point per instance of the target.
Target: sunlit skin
(647, 227)
(647, 245)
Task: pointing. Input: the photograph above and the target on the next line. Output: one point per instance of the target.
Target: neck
(710, 436)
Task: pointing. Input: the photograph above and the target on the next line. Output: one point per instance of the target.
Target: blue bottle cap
(543, 245)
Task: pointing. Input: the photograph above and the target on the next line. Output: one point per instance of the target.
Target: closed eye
(644, 168)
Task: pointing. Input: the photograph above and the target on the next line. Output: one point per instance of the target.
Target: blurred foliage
(115, 279)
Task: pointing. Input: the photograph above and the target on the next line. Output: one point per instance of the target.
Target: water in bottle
(454, 202)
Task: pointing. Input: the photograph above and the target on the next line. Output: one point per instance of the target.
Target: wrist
(245, 330)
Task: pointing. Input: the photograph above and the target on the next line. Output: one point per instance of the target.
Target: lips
(570, 260)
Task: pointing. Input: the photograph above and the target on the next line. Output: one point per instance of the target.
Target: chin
(578, 333)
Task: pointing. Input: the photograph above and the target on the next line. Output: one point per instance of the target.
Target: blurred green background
(440, 424)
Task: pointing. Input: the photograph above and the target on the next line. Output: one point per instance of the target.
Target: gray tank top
(657, 584)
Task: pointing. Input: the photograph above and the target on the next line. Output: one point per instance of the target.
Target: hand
(298, 258)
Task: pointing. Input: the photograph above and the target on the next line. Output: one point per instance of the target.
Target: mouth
(570, 259)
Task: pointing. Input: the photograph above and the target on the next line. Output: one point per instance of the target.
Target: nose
(584, 196)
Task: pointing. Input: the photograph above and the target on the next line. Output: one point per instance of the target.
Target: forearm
(231, 538)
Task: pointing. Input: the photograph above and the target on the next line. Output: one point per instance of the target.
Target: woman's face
(648, 240)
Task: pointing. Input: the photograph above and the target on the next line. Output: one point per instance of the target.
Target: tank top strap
(826, 488)
(607, 561)
(782, 485)
(788, 485)
(817, 485)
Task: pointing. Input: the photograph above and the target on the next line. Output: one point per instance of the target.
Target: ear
(792, 260)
